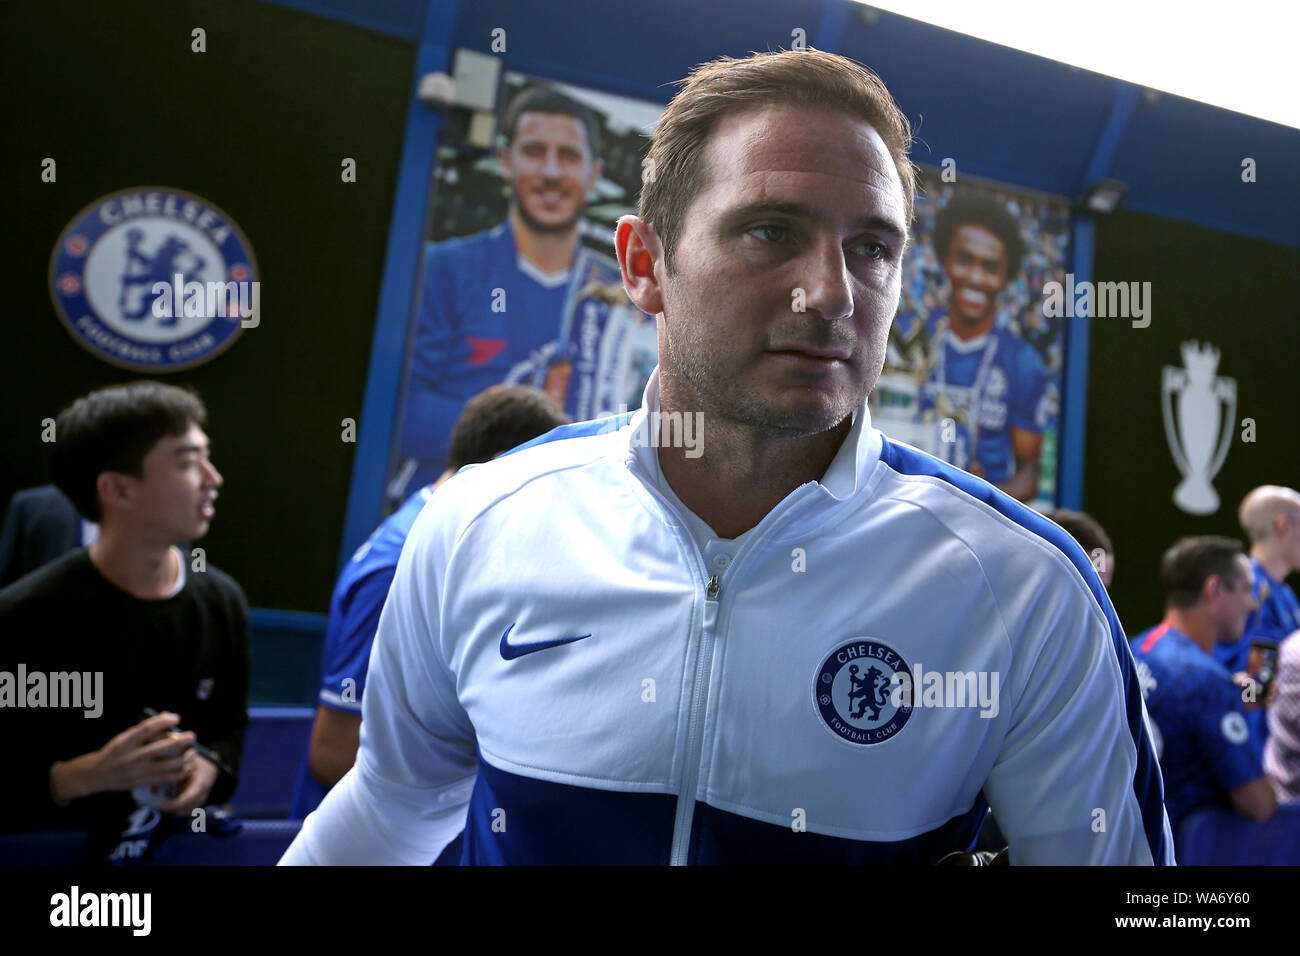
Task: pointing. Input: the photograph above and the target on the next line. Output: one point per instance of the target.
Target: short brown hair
(1191, 561)
(546, 99)
(1083, 528)
(728, 85)
(113, 429)
(499, 418)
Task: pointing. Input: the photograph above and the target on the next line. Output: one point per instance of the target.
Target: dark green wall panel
(1239, 295)
(258, 125)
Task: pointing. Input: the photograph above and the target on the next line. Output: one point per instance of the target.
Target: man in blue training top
(986, 380)
(500, 418)
(1207, 755)
(492, 303)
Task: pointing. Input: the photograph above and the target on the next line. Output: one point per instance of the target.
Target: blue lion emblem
(852, 691)
(145, 270)
(870, 691)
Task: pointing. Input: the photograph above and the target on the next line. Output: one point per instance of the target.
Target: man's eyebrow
(797, 210)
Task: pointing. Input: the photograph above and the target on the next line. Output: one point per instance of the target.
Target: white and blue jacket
(558, 672)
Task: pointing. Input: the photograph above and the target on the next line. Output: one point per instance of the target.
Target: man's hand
(1026, 446)
(134, 758)
(1251, 691)
(202, 775)
(335, 737)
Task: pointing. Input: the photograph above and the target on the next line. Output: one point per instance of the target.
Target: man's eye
(779, 229)
(878, 251)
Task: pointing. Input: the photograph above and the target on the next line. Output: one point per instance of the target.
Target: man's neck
(742, 475)
(143, 570)
(1195, 626)
(966, 331)
(550, 252)
(1267, 554)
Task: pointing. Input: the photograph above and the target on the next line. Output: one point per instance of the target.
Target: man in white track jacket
(740, 625)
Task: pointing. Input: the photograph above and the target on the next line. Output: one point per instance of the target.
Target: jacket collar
(847, 474)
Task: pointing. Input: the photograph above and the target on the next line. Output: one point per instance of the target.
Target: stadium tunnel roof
(1002, 114)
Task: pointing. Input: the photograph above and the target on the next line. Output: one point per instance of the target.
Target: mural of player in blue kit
(491, 304)
(987, 391)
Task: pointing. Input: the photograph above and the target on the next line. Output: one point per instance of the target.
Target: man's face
(1289, 536)
(976, 263)
(549, 163)
(1236, 604)
(174, 500)
(788, 271)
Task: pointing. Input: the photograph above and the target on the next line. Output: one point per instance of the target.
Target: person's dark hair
(726, 86)
(1186, 566)
(499, 418)
(546, 99)
(113, 429)
(972, 209)
(1083, 528)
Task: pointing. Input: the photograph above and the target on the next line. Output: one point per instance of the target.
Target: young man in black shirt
(124, 625)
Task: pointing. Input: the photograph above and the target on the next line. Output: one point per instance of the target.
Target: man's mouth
(207, 509)
(972, 300)
(808, 351)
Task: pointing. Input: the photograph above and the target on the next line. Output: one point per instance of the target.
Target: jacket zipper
(700, 689)
(695, 727)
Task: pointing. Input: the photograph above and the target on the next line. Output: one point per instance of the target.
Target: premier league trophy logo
(1197, 430)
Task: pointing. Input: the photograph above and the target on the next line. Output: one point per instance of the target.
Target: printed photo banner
(518, 284)
(518, 280)
(974, 368)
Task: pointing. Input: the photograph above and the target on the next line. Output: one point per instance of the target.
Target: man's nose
(214, 476)
(830, 286)
(551, 167)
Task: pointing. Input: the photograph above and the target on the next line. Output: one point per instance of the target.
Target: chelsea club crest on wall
(154, 279)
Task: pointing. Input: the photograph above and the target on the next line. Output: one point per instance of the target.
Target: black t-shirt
(187, 653)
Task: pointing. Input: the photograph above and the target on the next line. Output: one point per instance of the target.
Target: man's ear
(640, 259)
(114, 490)
(597, 168)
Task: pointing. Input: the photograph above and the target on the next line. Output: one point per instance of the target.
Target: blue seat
(1214, 837)
(259, 843)
(275, 746)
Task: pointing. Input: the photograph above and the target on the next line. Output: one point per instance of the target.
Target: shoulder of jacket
(478, 489)
(1014, 545)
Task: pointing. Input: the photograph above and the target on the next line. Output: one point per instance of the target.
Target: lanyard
(976, 393)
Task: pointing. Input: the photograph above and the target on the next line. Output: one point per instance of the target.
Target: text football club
(852, 692)
(154, 279)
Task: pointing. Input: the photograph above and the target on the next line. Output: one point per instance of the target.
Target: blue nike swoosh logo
(511, 651)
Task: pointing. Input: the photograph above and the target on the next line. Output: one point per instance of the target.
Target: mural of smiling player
(987, 390)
